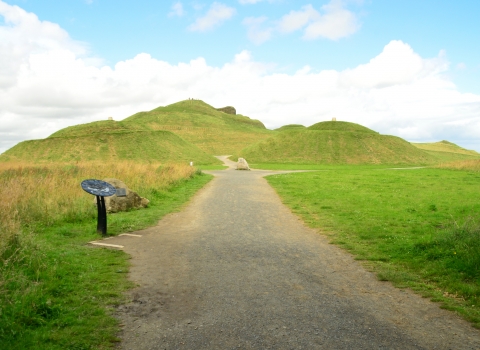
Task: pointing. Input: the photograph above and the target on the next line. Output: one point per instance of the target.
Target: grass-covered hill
(447, 151)
(193, 130)
(335, 143)
(341, 126)
(213, 131)
(291, 127)
(162, 146)
(189, 130)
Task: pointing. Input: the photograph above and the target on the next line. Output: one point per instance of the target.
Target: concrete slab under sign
(107, 245)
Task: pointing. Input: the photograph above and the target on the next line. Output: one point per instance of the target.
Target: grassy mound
(291, 127)
(92, 142)
(100, 127)
(335, 147)
(340, 126)
(447, 151)
(189, 130)
(213, 131)
(445, 146)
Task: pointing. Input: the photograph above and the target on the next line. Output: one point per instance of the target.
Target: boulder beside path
(124, 200)
(242, 164)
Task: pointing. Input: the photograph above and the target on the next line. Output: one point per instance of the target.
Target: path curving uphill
(237, 270)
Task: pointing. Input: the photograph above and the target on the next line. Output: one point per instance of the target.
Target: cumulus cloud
(296, 20)
(255, 32)
(397, 64)
(51, 83)
(333, 22)
(336, 22)
(250, 2)
(177, 10)
(216, 15)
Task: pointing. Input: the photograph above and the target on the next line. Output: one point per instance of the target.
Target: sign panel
(98, 188)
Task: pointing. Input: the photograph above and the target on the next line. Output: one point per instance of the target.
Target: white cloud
(396, 65)
(296, 20)
(255, 32)
(252, 2)
(333, 22)
(51, 84)
(23, 34)
(336, 23)
(177, 10)
(217, 14)
(461, 66)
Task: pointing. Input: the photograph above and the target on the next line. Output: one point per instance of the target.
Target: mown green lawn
(417, 228)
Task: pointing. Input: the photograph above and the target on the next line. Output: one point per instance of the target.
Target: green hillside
(214, 131)
(189, 130)
(291, 127)
(328, 146)
(211, 130)
(447, 151)
(100, 127)
(162, 146)
(192, 130)
(340, 126)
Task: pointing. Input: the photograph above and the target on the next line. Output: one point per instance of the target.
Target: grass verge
(56, 292)
(287, 166)
(213, 167)
(417, 228)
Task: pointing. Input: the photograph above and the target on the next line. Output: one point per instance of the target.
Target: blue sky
(377, 50)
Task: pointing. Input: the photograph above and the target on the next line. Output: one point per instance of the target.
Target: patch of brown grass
(469, 165)
(47, 193)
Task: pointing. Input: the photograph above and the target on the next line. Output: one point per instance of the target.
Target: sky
(400, 67)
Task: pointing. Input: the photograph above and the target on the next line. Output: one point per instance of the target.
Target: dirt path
(236, 270)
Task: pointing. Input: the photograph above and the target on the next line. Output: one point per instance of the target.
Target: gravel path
(237, 270)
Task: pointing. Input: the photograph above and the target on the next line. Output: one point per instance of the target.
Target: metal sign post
(100, 189)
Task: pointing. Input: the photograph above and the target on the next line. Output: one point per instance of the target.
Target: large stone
(131, 200)
(228, 110)
(242, 164)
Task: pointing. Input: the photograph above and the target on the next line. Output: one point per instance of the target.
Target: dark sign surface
(98, 187)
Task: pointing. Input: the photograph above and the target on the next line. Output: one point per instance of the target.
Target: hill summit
(216, 132)
(340, 126)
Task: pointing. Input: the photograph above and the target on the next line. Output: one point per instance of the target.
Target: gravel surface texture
(237, 270)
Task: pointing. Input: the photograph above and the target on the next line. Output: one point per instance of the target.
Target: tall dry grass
(41, 195)
(469, 165)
